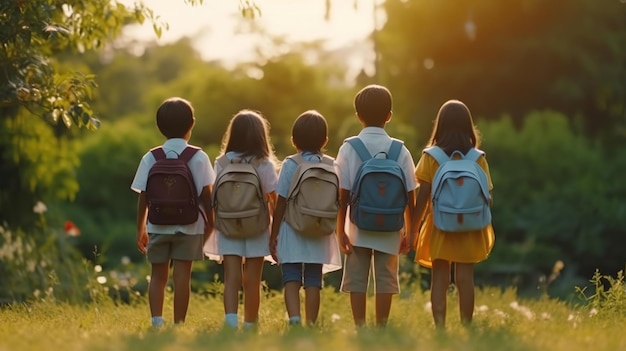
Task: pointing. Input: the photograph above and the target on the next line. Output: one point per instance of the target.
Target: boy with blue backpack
(377, 183)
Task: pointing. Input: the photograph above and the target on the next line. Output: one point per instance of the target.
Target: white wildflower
(97, 268)
(500, 314)
(40, 208)
(482, 308)
(525, 311)
(335, 317)
(593, 312)
(428, 306)
(101, 279)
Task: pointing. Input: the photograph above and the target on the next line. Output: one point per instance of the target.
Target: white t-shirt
(295, 248)
(219, 244)
(347, 165)
(202, 173)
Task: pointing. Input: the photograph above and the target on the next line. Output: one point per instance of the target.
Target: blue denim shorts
(307, 274)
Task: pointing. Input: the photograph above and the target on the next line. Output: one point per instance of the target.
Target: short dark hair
(373, 105)
(175, 117)
(309, 131)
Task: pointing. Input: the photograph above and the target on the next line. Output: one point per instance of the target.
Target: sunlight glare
(212, 25)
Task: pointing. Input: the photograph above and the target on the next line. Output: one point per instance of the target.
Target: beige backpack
(313, 198)
(241, 210)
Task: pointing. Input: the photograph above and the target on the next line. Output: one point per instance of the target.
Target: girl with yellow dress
(454, 129)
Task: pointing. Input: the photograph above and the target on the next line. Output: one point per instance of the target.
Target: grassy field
(502, 322)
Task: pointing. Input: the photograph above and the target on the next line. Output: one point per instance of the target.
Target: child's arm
(271, 201)
(406, 242)
(205, 199)
(277, 218)
(422, 198)
(142, 214)
(344, 242)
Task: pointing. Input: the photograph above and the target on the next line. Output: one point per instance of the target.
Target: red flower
(71, 229)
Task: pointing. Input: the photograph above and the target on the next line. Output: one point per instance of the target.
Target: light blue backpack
(378, 196)
(459, 191)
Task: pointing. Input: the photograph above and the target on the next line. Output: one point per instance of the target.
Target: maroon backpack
(170, 191)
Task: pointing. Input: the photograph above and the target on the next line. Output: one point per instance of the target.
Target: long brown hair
(248, 133)
(454, 128)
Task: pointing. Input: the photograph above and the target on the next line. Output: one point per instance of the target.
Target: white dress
(219, 244)
(295, 248)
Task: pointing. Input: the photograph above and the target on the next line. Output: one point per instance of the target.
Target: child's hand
(142, 240)
(345, 246)
(273, 245)
(207, 232)
(404, 245)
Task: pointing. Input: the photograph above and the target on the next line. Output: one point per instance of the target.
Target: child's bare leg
(440, 281)
(464, 279)
(311, 304)
(358, 302)
(182, 289)
(292, 298)
(383, 307)
(253, 268)
(156, 289)
(232, 283)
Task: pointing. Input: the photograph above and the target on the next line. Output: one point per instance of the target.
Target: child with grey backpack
(302, 239)
(243, 250)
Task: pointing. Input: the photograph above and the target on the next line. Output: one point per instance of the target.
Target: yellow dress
(432, 243)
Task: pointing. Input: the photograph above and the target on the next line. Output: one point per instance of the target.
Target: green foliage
(555, 196)
(565, 55)
(43, 266)
(37, 163)
(35, 166)
(608, 295)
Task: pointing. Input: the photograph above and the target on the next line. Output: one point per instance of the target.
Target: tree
(37, 85)
(556, 197)
(41, 98)
(508, 57)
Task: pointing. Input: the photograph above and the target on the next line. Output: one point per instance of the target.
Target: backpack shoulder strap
(438, 154)
(158, 153)
(223, 161)
(188, 153)
(474, 154)
(359, 147)
(297, 158)
(328, 160)
(394, 149)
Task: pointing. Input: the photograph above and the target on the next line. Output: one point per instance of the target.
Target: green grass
(502, 322)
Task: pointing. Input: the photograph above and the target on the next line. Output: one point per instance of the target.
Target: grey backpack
(313, 198)
(241, 210)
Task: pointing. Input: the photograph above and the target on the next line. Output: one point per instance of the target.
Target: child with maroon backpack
(174, 214)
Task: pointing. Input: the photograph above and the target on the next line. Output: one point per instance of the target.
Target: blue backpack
(378, 196)
(459, 191)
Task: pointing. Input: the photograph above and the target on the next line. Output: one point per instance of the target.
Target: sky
(212, 24)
